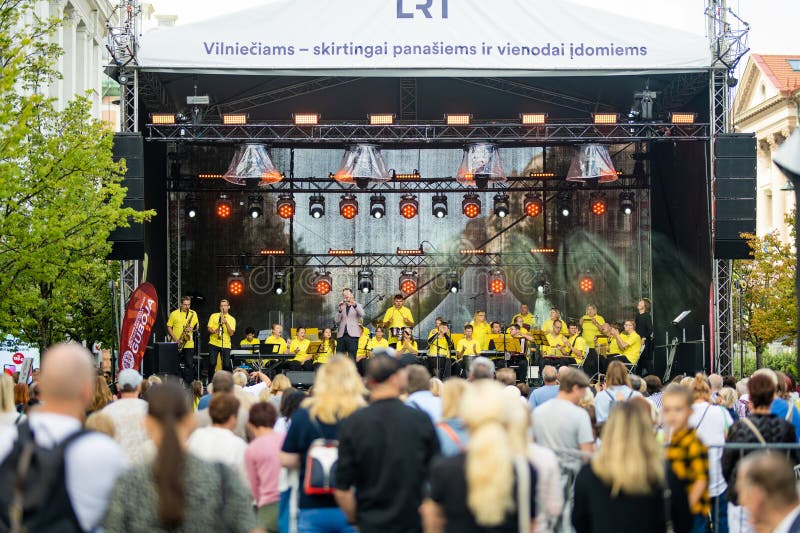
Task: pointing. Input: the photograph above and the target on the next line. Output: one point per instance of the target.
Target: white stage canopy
(428, 37)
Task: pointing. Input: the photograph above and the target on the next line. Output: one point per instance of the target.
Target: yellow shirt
(634, 342)
(521, 330)
(590, 331)
(296, 343)
(363, 340)
(613, 347)
(481, 332)
(578, 344)
(438, 347)
(529, 320)
(395, 318)
(554, 342)
(547, 327)
(244, 343)
(327, 352)
(272, 339)
(401, 350)
(178, 322)
(470, 347)
(225, 340)
(375, 343)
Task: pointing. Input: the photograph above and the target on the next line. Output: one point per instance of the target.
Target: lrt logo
(424, 6)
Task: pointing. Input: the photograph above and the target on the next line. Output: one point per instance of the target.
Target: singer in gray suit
(347, 320)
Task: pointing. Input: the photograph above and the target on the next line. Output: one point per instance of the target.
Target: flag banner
(140, 315)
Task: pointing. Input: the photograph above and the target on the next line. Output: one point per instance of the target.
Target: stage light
(414, 175)
(565, 203)
(381, 119)
(501, 204)
(457, 119)
(605, 118)
(235, 284)
(224, 207)
(453, 283)
(471, 205)
(162, 118)
(272, 251)
(279, 283)
(305, 119)
(234, 119)
(285, 206)
(586, 283)
(626, 202)
(341, 251)
(408, 282)
(323, 283)
(682, 118)
(533, 119)
(191, 208)
(597, 203)
(209, 176)
(543, 175)
(497, 282)
(540, 283)
(254, 208)
(543, 250)
(377, 206)
(412, 251)
(533, 204)
(409, 206)
(316, 207)
(365, 281)
(348, 206)
(439, 206)
(472, 251)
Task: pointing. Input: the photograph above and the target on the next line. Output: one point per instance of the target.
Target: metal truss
(408, 99)
(153, 94)
(538, 94)
(680, 91)
(283, 134)
(174, 234)
(280, 94)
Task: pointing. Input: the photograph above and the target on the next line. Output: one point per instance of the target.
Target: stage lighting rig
(409, 206)
(377, 206)
(497, 281)
(408, 282)
(501, 204)
(439, 206)
(565, 203)
(279, 283)
(366, 281)
(254, 204)
(236, 284)
(285, 206)
(533, 204)
(191, 208)
(586, 283)
(598, 205)
(316, 206)
(453, 282)
(323, 283)
(471, 205)
(348, 206)
(626, 202)
(224, 207)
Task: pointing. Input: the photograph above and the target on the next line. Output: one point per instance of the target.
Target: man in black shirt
(385, 450)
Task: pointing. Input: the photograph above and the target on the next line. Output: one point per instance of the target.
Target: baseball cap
(381, 367)
(129, 379)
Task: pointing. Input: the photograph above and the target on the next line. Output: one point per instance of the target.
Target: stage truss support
(408, 99)
(280, 94)
(175, 213)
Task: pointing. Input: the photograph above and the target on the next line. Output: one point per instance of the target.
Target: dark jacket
(772, 429)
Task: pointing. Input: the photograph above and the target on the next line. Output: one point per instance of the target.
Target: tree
(60, 193)
(767, 297)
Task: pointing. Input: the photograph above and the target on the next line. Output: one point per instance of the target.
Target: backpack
(34, 478)
(321, 459)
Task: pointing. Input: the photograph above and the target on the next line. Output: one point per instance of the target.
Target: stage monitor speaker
(301, 380)
(734, 194)
(161, 359)
(128, 243)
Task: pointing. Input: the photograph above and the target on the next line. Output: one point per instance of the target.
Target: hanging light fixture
(592, 161)
(481, 165)
(252, 162)
(361, 164)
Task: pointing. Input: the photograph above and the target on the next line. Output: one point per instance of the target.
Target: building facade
(767, 103)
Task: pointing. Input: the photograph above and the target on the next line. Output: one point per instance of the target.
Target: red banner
(140, 316)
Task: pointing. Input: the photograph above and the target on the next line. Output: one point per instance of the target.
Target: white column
(56, 9)
(69, 69)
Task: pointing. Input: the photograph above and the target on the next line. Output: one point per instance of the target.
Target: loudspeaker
(128, 243)
(161, 359)
(301, 380)
(688, 359)
(734, 194)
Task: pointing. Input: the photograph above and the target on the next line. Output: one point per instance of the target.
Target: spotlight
(381, 119)
(235, 284)
(605, 118)
(501, 204)
(408, 282)
(565, 203)
(598, 204)
(409, 206)
(285, 206)
(162, 118)
(365, 281)
(453, 283)
(439, 206)
(533, 204)
(471, 206)
(540, 283)
(377, 206)
(316, 207)
(234, 119)
(224, 206)
(323, 283)
(191, 208)
(279, 284)
(586, 283)
(305, 119)
(348, 206)
(626, 202)
(254, 208)
(457, 120)
(497, 282)
(533, 119)
(682, 118)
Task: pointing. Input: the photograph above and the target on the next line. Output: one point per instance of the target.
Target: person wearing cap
(385, 450)
(128, 414)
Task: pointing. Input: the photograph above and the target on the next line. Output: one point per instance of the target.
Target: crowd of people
(397, 450)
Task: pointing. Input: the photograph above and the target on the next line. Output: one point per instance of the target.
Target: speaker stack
(128, 243)
(734, 194)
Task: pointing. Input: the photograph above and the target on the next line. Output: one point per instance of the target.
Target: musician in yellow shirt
(364, 345)
(528, 320)
(275, 337)
(406, 344)
(629, 343)
(466, 347)
(590, 325)
(299, 347)
(250, 341)
(577, 344)
(520, 324)
(440, 348)
(398, 316)
(221, 326)
(378, 341)
(558, 343)
(481, 329)
(555, 314)
(181, 326)
(328, 348)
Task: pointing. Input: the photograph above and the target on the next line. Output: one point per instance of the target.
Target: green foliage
(60, 195)
(782, 361)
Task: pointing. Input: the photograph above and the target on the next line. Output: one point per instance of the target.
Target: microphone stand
(435, 337)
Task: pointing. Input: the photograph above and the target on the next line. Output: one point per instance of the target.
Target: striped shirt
(688, 458)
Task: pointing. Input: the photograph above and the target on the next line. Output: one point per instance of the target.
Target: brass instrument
(187, 332)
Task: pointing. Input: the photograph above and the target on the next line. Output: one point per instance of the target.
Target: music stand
(265, 350)
(314, 349)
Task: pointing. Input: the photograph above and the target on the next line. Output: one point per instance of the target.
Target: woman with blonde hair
(618, 389)
(102, 395)
(625, 487)
(435, 386)
(338, 393)
(491, 486)
(452, 432)
(279, 385)
(8, 409)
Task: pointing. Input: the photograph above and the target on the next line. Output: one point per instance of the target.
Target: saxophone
(187, 333)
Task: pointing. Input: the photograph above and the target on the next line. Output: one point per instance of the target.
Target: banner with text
(523, 35)
(140, 315)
